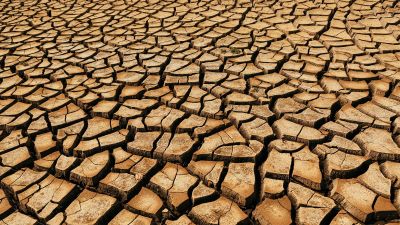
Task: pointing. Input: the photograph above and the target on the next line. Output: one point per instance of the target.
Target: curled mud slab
(209, 112)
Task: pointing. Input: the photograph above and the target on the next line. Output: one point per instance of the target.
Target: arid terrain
(208, 112)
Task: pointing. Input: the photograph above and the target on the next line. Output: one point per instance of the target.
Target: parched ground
(211, 112)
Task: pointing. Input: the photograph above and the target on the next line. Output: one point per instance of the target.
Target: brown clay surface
(209, 112)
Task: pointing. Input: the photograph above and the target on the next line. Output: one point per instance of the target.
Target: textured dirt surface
(209, 112)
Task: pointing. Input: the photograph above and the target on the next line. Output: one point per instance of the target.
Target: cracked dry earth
(213, 112)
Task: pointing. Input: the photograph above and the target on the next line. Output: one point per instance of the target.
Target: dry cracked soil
(208, 112)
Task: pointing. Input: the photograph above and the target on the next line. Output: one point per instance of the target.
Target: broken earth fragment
(89, 208)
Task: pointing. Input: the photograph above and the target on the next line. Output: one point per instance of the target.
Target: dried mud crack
(209, 112)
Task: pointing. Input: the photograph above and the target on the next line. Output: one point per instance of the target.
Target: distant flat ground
(201, 112)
